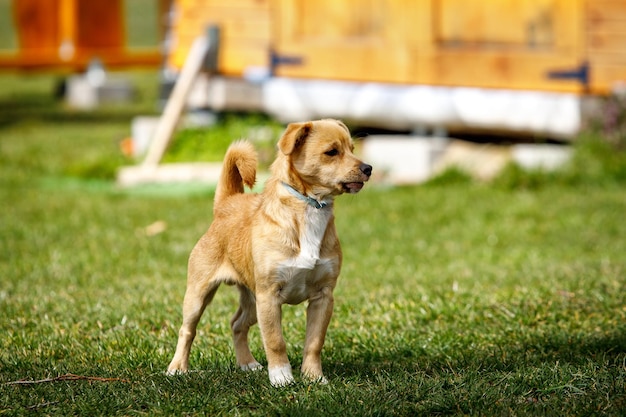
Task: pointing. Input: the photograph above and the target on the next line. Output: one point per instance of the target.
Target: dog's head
(320, 158)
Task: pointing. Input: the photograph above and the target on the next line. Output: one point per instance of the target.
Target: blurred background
(429, 82)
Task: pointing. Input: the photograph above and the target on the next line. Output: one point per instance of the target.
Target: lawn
(456, 298)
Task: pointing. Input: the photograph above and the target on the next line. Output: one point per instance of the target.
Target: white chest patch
(300, 275)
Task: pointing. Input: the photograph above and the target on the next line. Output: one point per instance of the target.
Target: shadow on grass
(579, 373)
(34, 109)
(562, 348)
(47, 105)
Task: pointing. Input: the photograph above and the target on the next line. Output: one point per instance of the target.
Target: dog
(277, 247)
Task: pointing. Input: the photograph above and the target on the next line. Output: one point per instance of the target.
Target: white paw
(281, 376)
(252, 366)
(174, 372)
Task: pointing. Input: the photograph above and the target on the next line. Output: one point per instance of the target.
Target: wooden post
(67, 33)
(176, 102)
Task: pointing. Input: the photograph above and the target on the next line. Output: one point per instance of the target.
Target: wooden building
(65, 35)
(574, 46)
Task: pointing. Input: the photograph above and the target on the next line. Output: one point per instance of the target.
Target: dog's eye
(332, 152)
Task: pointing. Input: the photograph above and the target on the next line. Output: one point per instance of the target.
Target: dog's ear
(294, 137)
(343, 126)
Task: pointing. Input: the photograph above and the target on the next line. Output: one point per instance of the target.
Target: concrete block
(483, 161)
(169, 173)
(400, 159)
(82, 93)
(541, 156)
(142, 130)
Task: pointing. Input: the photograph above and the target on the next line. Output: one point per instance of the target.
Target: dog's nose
(366, 169)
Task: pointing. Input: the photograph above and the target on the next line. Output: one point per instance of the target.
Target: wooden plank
(606, 58)
(255, 31)
(608, 42)
(68, 30)
(176, 101)
(245, 27)
(346, 42)
(31, 60)
(599, 11)
(348, 19)
(351, 61)
(99, 24)
(258, 5)
(522, 70)
(615, 26)
(568, 28)
(492, 22)
(37, 24)
(235, 60)
(169, 173)
(227, 8)
(605, 77)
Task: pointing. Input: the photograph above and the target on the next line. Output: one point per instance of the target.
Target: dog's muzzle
(355, 187)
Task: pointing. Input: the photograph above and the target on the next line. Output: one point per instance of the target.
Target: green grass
(456, 298)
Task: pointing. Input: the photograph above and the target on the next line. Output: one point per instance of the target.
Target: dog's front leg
(319, 312)
(269, 314)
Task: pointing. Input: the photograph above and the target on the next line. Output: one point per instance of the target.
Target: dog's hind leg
(197, 297)
(240, 325)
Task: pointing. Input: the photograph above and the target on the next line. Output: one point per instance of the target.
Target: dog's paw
(321, 380)
(315, 379)
(281, 376)
(252, 366)
(174, 372)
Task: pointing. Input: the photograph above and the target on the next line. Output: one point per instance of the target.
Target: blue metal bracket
(276, 60)
(581, 74)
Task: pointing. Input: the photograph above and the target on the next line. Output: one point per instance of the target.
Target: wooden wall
(245, 31)
(605, 36)
(514, 44)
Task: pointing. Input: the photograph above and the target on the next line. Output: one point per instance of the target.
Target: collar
(309, 200)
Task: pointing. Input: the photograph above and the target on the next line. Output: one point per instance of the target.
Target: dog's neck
(317, 204)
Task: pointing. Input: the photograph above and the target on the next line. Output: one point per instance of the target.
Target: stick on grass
(66, 377)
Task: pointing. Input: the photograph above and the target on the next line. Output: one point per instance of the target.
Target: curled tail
(239, 168)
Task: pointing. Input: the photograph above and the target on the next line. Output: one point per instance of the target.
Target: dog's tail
(239, 168)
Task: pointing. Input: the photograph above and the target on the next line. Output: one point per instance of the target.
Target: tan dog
(277, 247)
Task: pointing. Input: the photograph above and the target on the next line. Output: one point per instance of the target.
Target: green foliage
(100, 168)
(210, 144)
(595, 162)
(610, 120)
(514, 176)
(599, 155)
(598, 160)
(450, 176)
(455, 299)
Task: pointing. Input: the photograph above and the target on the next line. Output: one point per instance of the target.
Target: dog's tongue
(354, 187)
